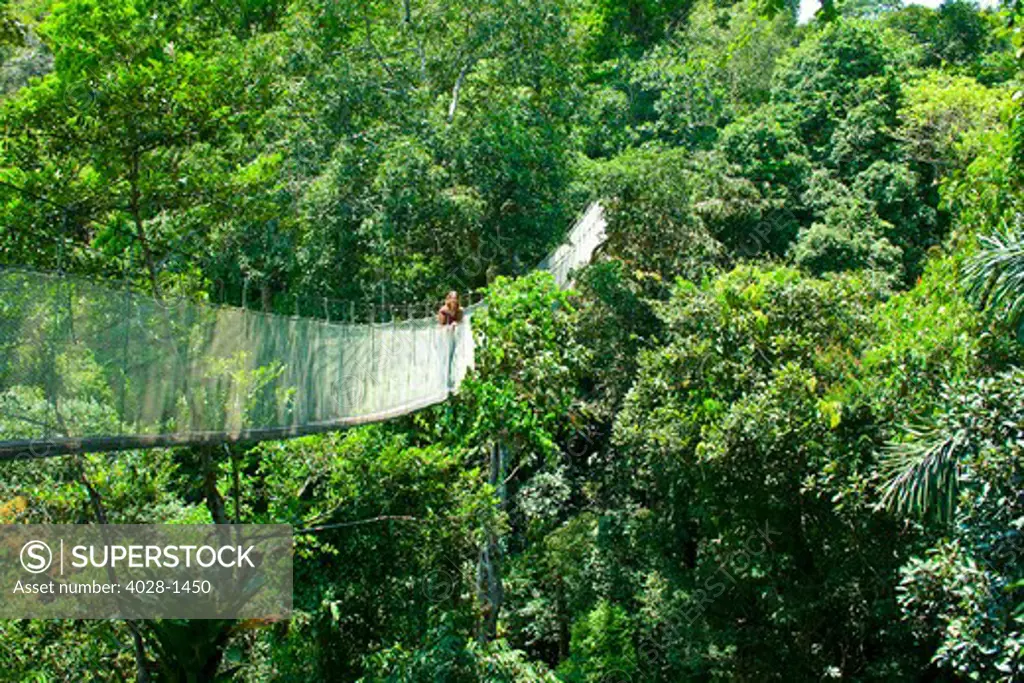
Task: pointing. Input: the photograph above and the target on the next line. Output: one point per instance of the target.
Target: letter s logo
(36, 557)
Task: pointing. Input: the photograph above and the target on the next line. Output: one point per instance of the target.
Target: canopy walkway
(85, 367)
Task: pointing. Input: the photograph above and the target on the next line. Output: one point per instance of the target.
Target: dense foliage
(776, 432)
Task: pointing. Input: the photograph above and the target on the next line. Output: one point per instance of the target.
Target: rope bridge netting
(85, 367)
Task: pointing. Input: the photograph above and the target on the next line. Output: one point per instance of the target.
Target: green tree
(757, 476)
(995, 277)
(828, 76)
(965, 468)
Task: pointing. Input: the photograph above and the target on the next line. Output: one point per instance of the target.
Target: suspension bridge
(85, 367)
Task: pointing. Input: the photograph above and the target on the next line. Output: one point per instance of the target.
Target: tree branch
(373, 47)
(457, 89)
(359, 522)
(407, 24)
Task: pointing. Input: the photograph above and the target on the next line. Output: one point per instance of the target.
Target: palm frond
(923, 473)
(995, 275)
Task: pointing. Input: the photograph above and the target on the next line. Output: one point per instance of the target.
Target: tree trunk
(214, 501)
(266, 297)
(138, 645)
(457, 90)
(490, 589)
(140, 231)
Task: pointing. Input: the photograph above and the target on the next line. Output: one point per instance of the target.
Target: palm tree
(995, 276)
(191, 651)
(924, 472)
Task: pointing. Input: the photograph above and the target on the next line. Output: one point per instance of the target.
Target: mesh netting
(85, 366)
(581, 242)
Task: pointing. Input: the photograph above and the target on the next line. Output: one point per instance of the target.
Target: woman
(451, 312)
